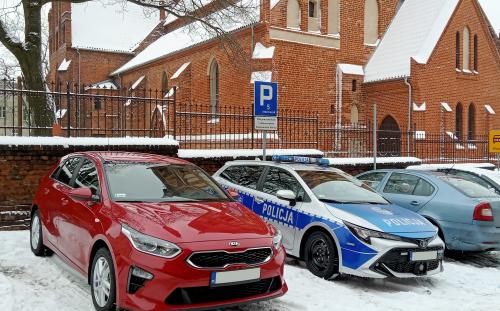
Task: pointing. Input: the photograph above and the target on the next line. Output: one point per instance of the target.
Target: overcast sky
(492, 8)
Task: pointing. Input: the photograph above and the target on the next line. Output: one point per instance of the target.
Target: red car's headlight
(150, 245)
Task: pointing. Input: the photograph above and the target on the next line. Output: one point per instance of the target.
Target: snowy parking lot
(468, 283)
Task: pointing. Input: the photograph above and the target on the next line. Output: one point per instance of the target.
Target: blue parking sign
(265, 99)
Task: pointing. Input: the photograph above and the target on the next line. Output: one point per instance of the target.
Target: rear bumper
(179, 286)
(475, 237)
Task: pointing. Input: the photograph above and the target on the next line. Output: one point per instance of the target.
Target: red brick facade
(305, 66)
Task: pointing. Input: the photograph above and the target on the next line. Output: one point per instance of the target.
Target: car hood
(388, 218)
(192, 222)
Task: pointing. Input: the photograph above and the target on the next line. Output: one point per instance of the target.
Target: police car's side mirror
(287, 195)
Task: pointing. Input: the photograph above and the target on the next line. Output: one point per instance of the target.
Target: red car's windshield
(153, 182)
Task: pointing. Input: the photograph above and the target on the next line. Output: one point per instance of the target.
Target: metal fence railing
(90, 111)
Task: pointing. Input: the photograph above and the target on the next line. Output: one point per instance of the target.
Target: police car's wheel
(321, 256)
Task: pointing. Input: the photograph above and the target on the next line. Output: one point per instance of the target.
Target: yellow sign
(494, 142)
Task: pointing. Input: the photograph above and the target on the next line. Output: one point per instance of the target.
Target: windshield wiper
(332, 201)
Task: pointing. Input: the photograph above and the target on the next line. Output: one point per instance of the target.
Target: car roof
(414, 172)
(122, 156)
(289, 165)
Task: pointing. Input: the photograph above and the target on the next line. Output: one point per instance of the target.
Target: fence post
(175, 112)
(68, 104)
(19, 108)
(317, 130)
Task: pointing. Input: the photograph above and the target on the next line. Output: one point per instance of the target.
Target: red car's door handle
(64, 201)
(46, 191)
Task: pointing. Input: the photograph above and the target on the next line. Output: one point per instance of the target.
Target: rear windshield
(469, 188)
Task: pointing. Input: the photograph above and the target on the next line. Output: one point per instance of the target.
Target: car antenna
(450, 169)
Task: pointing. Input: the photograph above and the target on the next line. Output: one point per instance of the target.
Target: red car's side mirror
(84, 194)
(233, 193)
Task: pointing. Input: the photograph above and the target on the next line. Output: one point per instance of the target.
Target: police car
(334, 222)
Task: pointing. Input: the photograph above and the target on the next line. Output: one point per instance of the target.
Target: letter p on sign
(265, 99)
(266, 94)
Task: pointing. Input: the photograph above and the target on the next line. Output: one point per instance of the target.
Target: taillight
(483, 212)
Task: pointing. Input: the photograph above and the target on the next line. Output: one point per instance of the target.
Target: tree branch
(14, 47)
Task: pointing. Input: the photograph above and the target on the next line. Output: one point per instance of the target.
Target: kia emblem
(234, 243)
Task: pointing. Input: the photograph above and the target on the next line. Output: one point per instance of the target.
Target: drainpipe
(409, 115)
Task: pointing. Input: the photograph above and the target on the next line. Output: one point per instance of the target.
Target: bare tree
(21, 32)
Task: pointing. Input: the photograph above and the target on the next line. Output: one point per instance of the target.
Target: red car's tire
(102, 281)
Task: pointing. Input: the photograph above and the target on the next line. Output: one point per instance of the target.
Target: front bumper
(392, 260)
(179, 286)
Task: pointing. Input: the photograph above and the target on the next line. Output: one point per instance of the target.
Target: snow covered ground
(469, 283)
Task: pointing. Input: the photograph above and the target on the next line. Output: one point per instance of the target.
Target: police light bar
(303, 160)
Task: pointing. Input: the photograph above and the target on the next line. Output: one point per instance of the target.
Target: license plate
(236, 276)
(420, 256)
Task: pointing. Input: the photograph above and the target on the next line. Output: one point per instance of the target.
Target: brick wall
(21, 167)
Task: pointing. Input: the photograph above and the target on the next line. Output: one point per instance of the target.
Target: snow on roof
(137, 82)
(115, 26)
(482, 169)
(413, 33)
(243, 153)
(350, 69)
(446, 107)
(274, 3)
(367, 161)
(421, 107)
(64, 65)
(489, 109)
(179, 71)
(261, 52)
(170, 92)
(245, 14)
(106, 84)
(264, 76)
(85, 141)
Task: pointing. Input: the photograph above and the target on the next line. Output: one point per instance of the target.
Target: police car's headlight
(277, 239)
(151, 245)
(366, 234)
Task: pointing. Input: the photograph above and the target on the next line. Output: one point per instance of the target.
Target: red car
(154, 233)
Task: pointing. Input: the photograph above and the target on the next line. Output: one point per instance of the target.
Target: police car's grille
(221, 259)
(398, 261)
(206, 294)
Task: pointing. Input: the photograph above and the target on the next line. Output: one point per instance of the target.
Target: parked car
(485, 177)
(333, 221)
(467, 214)
(154, 233)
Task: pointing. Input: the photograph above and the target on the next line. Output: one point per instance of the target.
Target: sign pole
(375, 136)
(265, 110)
(264, 145)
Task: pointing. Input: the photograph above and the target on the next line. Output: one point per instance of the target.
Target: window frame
(82, 160)
(305, 189)
(244, 166)
(419, 178)
(55, 175)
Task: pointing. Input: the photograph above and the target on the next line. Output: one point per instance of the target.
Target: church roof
(113, 26)
(413, 33)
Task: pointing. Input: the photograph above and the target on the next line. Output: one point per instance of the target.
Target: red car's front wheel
(102, 282)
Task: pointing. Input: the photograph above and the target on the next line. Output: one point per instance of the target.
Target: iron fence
(90, 111)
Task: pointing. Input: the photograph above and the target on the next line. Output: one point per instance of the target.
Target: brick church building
(431, 66)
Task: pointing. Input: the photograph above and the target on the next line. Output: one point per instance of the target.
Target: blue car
(466, 213)
(334, 222)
